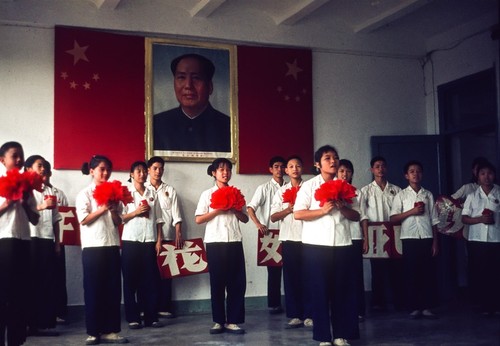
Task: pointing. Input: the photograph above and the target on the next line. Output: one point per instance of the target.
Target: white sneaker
(341, 342)
(234, 329)
(294, 323)
(91, 340)
(308, 322)
(325, 343)
(113, 338)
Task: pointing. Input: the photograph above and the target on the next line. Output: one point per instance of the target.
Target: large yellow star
(293, 69)
(78, 53)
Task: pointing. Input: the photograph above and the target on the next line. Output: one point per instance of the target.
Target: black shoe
(217, 329)
(234, 329)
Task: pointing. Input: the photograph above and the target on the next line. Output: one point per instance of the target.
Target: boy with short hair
(375, 204)
(171, 215)
(413, 207)
(259, 210)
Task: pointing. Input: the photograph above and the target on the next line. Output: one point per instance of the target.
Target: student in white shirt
(297, 303)
(327, 240)
(375, 199)
(61, 295)
(259, 211)
(45, 245)
(142, 222)
(413, 207)
(359, 242)
(482, 213)
(171, 215)
(100, 257)
(15, 218)
(226, 261)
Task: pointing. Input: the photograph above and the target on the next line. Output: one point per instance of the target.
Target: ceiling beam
(392, 14)
(298, 12)
(205, 8)
(106, 4)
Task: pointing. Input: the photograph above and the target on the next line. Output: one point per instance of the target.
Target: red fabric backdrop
(275, 106)
(99, 101)
(99, 98)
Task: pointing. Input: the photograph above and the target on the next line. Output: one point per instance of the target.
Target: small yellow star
(96, 77)
(86, 85)
(78, 52)
(64, 75)
(293, 69)
(73, 85)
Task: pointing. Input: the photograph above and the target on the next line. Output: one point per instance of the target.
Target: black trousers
(226, 265)
(331, 283)
(60, 290)
(140, 281)
(42, 308)
(296, 300)
(102, 289)
(14, 288)
(357, 267)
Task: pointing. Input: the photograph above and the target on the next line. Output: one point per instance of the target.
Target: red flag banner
(190, 260)
(274, 106)
(269, 249)
(384, 240)
(99, 97)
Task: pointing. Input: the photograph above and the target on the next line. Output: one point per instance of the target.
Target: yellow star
(73, 85)
(86, 85)
(78, 53)
(96, 77)
(64, 75)
(293, 69)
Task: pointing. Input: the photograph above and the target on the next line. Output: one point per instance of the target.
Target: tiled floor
(458, 325)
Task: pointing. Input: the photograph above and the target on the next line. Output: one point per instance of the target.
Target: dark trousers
(102, 289)
(226, 265)
(484, 259)
(61, 294)
(273, 286)
(14, 288)
(42, 307)
(165, 303)
(387, 282)
(420, 270)
(357, 267)
(140, 281)
(296, 302)
(331, 284)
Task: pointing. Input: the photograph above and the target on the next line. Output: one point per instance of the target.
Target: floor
(458, 325)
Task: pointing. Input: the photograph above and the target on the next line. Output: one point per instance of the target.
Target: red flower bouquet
(227, 197)
(290, 194)
(335, 190)
(112, 192)
(15, 184)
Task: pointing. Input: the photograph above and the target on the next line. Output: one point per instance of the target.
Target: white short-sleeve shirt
(101, 232)
(48, 217)
(374, 203)
(415, 226)
(261, 203)
(290, 229)
(140, 228)
(474, 205)
(170, 208)
(222, 228)
(328, 230)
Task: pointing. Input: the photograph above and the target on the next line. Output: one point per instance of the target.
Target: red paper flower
(15, 184)
(112, 192)
(290, 194)
(227, 197)
(335, 190)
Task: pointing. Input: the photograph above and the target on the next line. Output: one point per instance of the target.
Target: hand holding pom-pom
(290, 195)
(15, 186)
(336, 191)
(227, 197)
(109, 193)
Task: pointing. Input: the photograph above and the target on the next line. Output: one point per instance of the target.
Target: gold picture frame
(160, 95)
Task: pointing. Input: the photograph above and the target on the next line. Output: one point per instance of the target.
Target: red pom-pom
(112, 192)
(227, 197)
(290, 194)
(335, 190)
(487, 212)
(14, 184)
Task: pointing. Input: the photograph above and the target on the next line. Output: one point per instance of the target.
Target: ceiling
(425, 17)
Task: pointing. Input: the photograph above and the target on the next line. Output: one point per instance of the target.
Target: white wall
(356, 95)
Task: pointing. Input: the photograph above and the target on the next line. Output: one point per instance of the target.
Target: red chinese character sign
(269, 249)
(190, 260)
(384, 240)
(69, 227)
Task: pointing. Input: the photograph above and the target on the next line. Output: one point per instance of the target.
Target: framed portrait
(191, 100)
